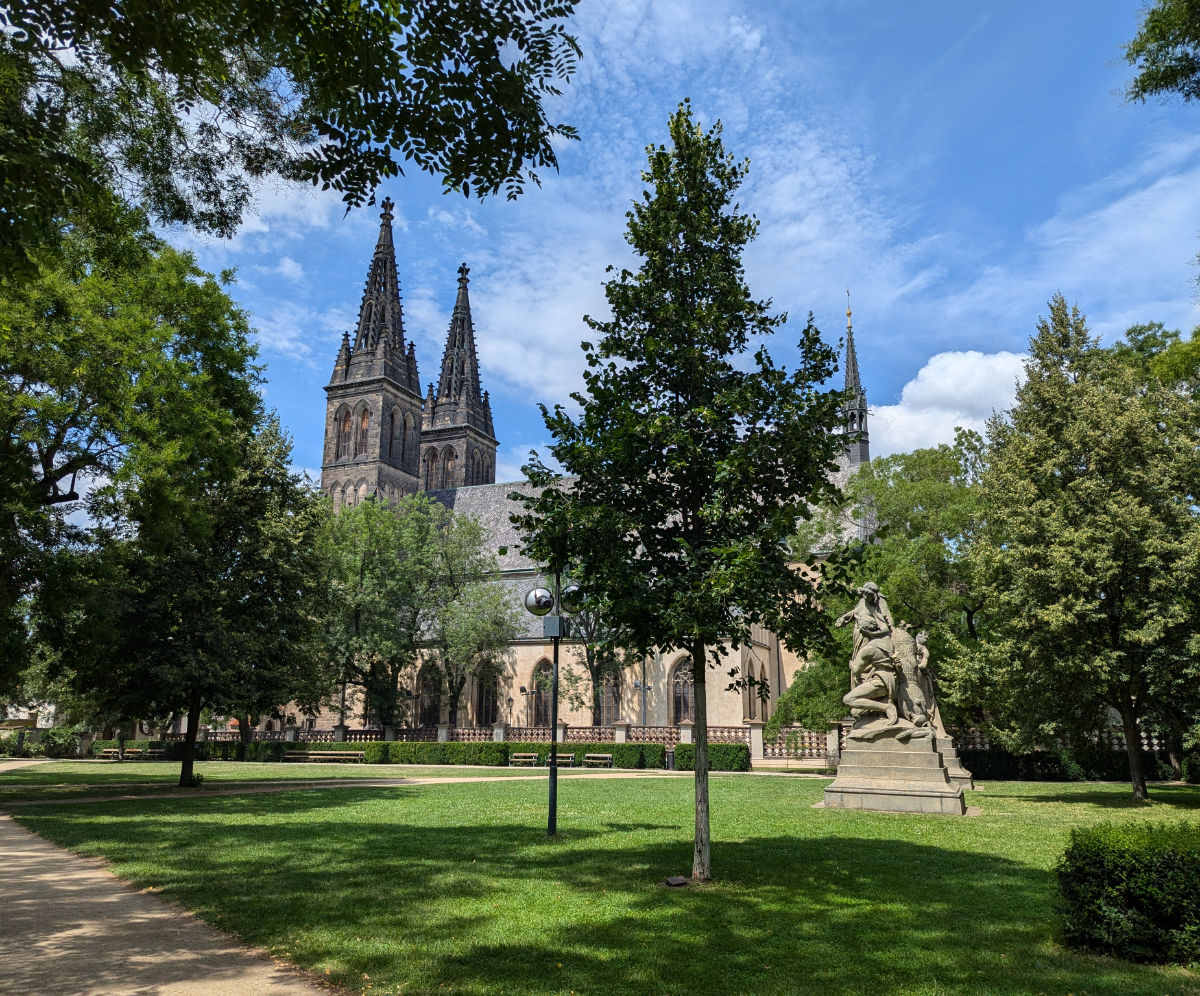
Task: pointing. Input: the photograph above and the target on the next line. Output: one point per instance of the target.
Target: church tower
(458, 442)
(858, 450)
(373, 399)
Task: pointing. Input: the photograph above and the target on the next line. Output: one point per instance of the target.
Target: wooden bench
(597, 760)
(564, 760)
(522, 759)
(317, 756)
(133, 754)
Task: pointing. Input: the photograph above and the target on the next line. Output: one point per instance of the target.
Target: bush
(721, 757)
(1133, 891)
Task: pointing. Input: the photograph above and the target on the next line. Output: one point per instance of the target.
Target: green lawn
(428, 889)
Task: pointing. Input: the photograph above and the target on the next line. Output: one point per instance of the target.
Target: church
(384, 440)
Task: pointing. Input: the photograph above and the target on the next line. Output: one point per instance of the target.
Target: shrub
(721, 757)
(375, 753)
(1133, 891)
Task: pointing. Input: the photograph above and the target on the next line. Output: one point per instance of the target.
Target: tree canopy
(182, 107)
(1166, 51)
(1089, 561)
(690, 462)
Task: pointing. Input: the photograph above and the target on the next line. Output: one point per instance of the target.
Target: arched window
(487, 699)
(472, 467)
(449, 461)
(395, 439)
(683, 692)
(543, 676)
(406, 437)
(429, 698)
(610, 701)
(364, 424)
(430, 469)
(343, 436)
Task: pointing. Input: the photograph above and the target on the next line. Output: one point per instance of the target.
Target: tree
(1089, 560)
(181, 107)
(690, 465)
(1166, 51)
(121, 358)
(600, 649)
(200, 595)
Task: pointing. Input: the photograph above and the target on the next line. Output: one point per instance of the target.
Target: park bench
(564, 760)
(597, 760)
(520, 759)
(134, 754)
(318, 756)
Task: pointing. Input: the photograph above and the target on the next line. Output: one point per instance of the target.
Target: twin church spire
(858, 449)
(381, 438)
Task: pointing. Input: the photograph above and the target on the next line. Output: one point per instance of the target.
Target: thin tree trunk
(701, 863)
(1133, 745)
(189, 741)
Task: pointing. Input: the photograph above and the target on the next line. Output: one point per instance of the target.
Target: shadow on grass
(480, 901)
(1113, 797)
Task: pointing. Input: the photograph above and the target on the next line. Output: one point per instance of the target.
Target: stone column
(621, 733)
(443, 733)
(499, 732)
(756, 738)
(339, 733)
(560, 735)
(685, 731)
(291, 734)
(833, 751)
(389, 732)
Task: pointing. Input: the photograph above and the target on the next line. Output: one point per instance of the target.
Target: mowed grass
(71, 779)
(455, 887)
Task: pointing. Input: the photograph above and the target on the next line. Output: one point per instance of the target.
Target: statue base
(893, 768)
(959, 776)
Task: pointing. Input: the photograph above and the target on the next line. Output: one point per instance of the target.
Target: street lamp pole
(540, 602)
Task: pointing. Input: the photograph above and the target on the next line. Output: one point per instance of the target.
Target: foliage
(1166, 51)
(492, 753)
(520, 906)
(721, 757)
(598, 649)
(185, 109)
(690, 465)
(1089, 559)
(813, 699)
(1133, 892)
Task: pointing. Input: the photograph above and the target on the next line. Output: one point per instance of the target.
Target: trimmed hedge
(1079, 765)
(721, 757)
(627, 755)
(223, 750)
(1133, 891)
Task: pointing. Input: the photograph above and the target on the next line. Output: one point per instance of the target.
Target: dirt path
(70, 927)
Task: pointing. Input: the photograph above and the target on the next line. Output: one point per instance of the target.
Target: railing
(796, 742)
(729, 735)
(590, 734)
(469, 734)
(668, 735)
(530, 734)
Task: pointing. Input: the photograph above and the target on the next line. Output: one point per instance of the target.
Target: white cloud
(950, 390)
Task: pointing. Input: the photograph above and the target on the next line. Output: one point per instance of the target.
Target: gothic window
(364, 423)
(449, 460)
(430, 469)
(343, 437)
(405, 439)
(610, 701)
(487, 697)
(429, 698)
(683, 692)
(395, 440)
(543, 676)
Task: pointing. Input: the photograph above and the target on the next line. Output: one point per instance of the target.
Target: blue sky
(953, 163)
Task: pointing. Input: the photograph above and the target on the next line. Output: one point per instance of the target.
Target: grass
(77, 779)
(455, 887)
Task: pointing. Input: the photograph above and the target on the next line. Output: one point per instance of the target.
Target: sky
(952, 164)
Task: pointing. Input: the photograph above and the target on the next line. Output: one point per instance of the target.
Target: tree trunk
(1176, 764)
(455, 693)
(701, 864)
(189, 741)
(244, 733)
(1133, 745)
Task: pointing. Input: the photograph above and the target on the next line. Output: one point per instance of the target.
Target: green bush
(721, 757)
(1133, 891)
(375, 753)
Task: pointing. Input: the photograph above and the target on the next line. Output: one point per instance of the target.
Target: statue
(925, 680)
(883, 657)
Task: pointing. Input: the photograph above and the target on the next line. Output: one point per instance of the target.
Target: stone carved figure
(878, 678)
(925, 680)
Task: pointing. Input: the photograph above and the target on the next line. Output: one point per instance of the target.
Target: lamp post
(550, 607)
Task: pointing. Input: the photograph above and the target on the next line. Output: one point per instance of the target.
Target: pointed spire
(380, 315)
(853, 384)
(459, 381)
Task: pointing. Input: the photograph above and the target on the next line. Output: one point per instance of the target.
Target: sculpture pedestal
(893, 769)
(959, 776)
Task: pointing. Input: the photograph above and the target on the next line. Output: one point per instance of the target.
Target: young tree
(599, 646)
(691, 462)
(200, 597)
(180, 107)
(1089, 561)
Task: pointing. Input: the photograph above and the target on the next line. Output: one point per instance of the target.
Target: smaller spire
(853, 384)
